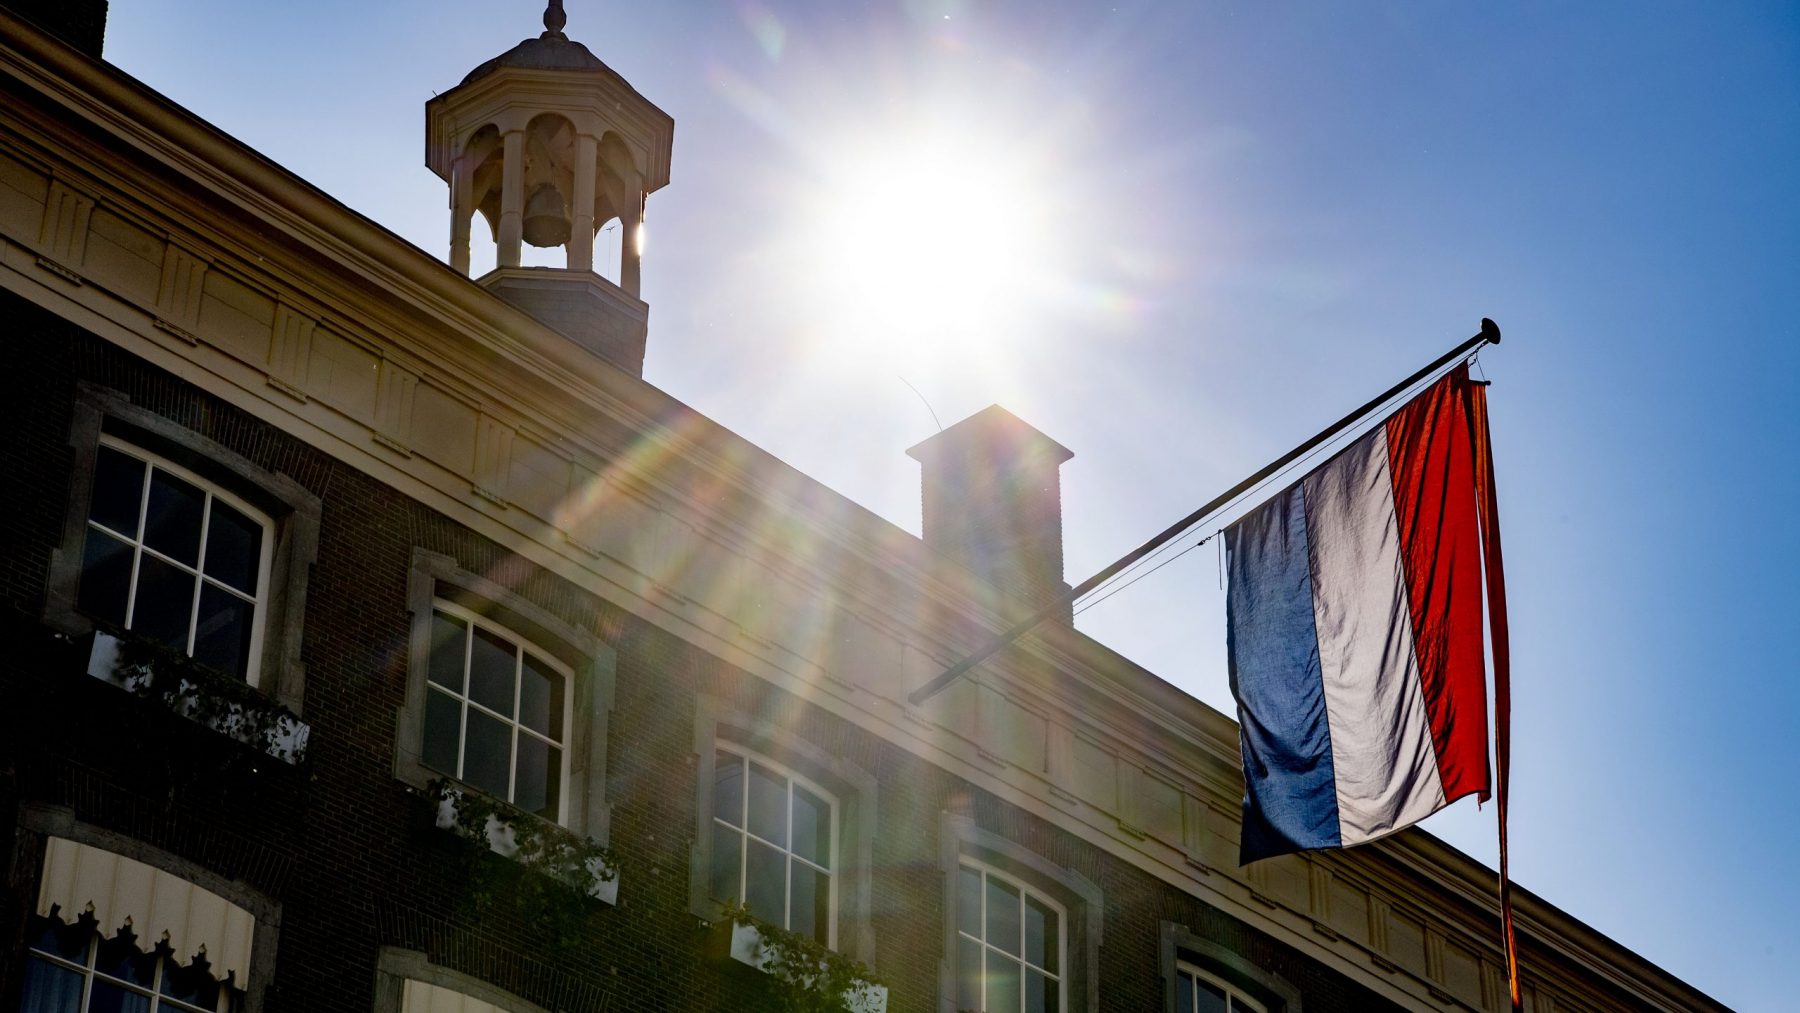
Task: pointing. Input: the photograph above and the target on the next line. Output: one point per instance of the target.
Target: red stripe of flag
(1433, 468)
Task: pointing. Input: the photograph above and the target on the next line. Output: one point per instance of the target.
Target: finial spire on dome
(554, 20)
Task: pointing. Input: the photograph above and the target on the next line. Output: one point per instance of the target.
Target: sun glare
(927, 249)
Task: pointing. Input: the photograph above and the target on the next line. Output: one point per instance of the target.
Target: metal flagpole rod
(1490, 335)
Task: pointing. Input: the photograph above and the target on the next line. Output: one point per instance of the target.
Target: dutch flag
(1355, 629)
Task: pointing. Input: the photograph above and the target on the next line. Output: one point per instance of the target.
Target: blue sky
(1244, 219)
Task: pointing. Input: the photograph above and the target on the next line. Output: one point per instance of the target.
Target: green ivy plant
(562, 871)
(154, 671)
(812, 977)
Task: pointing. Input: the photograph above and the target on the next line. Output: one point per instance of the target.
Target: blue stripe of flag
(1291, 794)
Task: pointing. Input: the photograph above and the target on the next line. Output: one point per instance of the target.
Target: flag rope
(1488, 506)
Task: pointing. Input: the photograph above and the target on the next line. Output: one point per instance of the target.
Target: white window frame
(1061, 977)
(259, 604)
(832, 874)
(525, 645)
(1236, 1000)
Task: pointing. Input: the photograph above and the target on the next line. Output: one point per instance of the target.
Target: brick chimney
(993, 502)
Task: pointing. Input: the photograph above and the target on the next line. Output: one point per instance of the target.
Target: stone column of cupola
(512, 198)
(581, 206)
(462, 211)
(631, 225)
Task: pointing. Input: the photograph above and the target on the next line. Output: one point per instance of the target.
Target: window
(119, 926)
(505, 697)
(406, 981)
(496, 712)
(1021, 933)
(783, 823)
(175, 538)
(772, 844)
(1202, 975)
(172, 558)
(1009, 945)
(73, 968)
(1199, 992)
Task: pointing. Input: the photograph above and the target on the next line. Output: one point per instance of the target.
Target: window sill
(205, 697)
(544, 847)
(748, 947)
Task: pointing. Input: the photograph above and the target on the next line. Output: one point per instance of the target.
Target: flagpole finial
(1490, 331)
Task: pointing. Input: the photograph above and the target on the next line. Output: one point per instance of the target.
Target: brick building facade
(422, 454)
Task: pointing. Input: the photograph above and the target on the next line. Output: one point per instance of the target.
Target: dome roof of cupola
(550, 51)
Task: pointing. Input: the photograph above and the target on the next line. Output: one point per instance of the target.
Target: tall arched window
(1196, 991)
(174, 558)
(774, 839)
(1010, 944)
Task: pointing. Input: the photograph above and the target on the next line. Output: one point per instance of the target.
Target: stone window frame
(1082, 902)
(591, 661)
(38, 822)
(292, 508)
(394, 966)
(853, 791)
(1179, 944)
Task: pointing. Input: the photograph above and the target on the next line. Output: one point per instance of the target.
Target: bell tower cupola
(549, 145)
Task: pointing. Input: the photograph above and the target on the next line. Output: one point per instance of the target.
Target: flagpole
(1490, 335)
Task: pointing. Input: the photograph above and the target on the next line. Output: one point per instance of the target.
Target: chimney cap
(1000, 430)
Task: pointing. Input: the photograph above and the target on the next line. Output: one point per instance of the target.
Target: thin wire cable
(1146, 573)
(1332, 446)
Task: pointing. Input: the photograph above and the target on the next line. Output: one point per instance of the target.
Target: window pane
(1041, 994)
(968, 901)
(768, 805)
(105, 577)
(1209, 998)
(1002, 916)
(810, 911)
(1003, 985)
(120, 957)
(443, 730)
(165, 602)
(233, 547)
(1184, 993)
(69, 942)
(541, 698)
(728, 788)
(50, 989)
(1041, 931)
(493, 661)
(447, 651)
(118, 491)
(110, 998)
(725, 857)
(487, 753)
(968, 974)
(187, 984)
(812, 827)
(765, 884)
(538, 786)
(222, 631)
(172, 520)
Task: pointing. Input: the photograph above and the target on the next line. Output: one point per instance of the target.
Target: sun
(929, 246)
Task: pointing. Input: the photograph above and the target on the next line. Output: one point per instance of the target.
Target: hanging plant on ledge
(575, 865)
(150, 670)
(811, 977)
